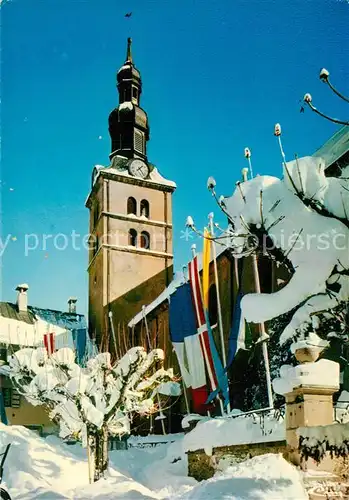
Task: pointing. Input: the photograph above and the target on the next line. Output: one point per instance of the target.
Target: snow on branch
(301, 220)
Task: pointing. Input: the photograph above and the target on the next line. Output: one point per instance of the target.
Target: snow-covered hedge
(315, 442)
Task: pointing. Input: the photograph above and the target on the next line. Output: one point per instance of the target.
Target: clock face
(138, 168)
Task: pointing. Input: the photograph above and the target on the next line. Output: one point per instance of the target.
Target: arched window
(145, 208)
(212, 305)
(139, 141)
(132, 237)
(145, 240)
(131, 206)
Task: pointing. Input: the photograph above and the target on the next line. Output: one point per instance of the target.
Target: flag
(186, 343)
(206, 255)
(80, 344)
(237, 332)
(49, 343)
(240, 335)
(217, 376)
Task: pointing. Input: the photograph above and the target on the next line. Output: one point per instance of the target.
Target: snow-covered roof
(165, 295)
(27, 328)
(335, 147)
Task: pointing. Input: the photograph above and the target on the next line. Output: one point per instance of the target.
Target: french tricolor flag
(188, 346)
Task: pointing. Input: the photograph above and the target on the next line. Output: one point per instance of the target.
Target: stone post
(306, 406)
(310, 404)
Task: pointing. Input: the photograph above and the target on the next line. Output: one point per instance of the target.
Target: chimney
(22, 297)
(72, 305)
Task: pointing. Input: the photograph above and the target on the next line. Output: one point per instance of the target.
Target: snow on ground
(265, 477)
(48, 469)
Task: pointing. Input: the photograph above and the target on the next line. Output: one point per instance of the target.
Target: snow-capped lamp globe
(324, 74)
(277, 129)
(211, 183)
(309, 349)
(190, 222)
(247, 153)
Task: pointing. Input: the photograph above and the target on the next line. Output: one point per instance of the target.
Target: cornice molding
(138, 250)
(138, 220)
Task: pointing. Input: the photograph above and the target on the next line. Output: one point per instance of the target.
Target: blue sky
(217, 75)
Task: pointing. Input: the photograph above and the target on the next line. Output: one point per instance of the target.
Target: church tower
(130, 204)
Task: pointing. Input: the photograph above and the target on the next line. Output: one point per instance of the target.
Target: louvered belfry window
(139, 141)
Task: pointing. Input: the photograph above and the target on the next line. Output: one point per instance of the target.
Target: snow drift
(47, 469)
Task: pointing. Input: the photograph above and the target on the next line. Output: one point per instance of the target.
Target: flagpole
(193, 251)
(110, 314)
(150, 347)
(262, 333)
(220, 320)
(183, 383)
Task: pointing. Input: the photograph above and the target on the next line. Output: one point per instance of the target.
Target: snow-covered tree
(94, 402)
(301, 221)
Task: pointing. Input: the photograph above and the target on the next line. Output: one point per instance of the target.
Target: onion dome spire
(128, 123)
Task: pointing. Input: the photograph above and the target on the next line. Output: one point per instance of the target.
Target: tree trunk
(101, 455)
(91, 456)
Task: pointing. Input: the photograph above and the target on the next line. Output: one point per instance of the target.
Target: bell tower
(130, 204)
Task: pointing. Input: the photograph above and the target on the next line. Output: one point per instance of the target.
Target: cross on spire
(129, 53)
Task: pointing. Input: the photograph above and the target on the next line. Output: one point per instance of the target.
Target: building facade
(23, 325)
(130, 204)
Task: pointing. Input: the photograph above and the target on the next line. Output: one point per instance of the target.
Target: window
(7, 395)
(145, 240)
(127, 94)
(139, 141)
(134, 93)
(132, 237)
(212, 305)
(145, 208)
(131, 206)
(15, 399)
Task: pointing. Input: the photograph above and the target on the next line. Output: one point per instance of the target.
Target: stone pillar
(310, 402)
(306, 406)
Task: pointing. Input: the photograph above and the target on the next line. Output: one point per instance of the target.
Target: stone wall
(202, 466)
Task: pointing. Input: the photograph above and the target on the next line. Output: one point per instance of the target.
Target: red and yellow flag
(206, 256)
